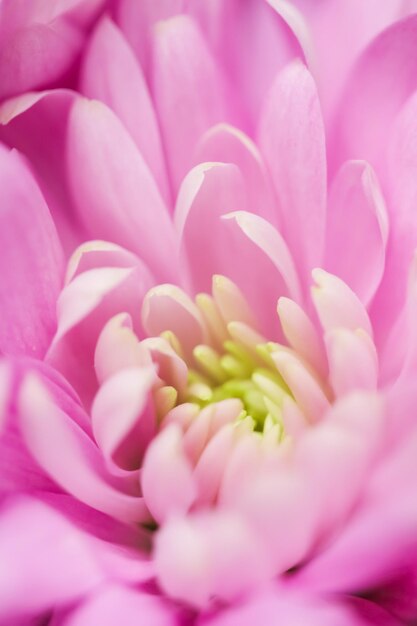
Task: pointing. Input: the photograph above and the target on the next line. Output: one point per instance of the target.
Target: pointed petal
(291, 137)
(113, 189)
(112, 74)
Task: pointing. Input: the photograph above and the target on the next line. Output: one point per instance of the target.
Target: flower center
(233, 362)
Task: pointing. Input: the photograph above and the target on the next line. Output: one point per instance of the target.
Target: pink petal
(226, 144)
(301, 334)
(123, 424)
(113, 189)
(188, 89)
(291, 137)
(209, 555)
(112, 74)
(241, 247)
(73, 460)
(168, 308)
(381, 81)
(118, 348)
(31, 262)
(114, 603)
(35, 54)
(357, 254)
(26, 122)
(137, 21)
(353, 361)
(85, 305)
(167, 482)
(402, 189)
(49, 558)
(337, 306)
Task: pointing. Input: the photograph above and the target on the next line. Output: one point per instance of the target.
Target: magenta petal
(114, 192)
(357, 254)
(291, 136)
(31, 262)
(112, 74)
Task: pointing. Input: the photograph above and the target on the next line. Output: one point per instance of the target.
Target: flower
(210, 419)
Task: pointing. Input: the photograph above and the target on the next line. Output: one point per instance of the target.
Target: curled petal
(123, 424)
(353, 361)
(167, 482)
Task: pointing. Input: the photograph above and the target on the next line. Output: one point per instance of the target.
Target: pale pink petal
(73, 460)
(402, 195)
(188, 88)
(357, 253)
(227, 144)
(301, 334)
(85, 305)
(170, 366)
(113, 189)
(303, 383)
(273, 32)
(382, 79)
(112, 74)
(95, 254)
(209, 555)
(167, 482)
(337, 306)
(123, 423)
(336, 456)
(353, 361)
(114, 604)
(118, 348)
(35, 54)
(291, 137)
(31, 261)
(168, 308)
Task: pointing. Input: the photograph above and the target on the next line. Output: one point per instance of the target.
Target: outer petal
(381, 80)
(291, 137)
(31, 262)
(112, 74)
(47, 556)
(188, 88)
(116, 603)
(113, 189)
(357, 253)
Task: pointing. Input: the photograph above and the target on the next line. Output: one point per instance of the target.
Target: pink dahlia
(208, 294)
